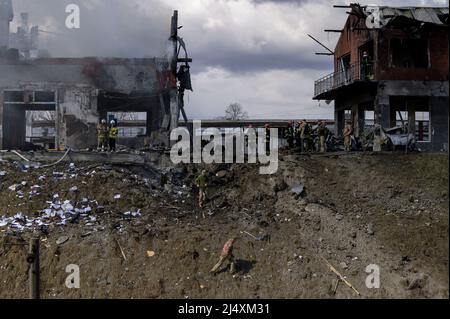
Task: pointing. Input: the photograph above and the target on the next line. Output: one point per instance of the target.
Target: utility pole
(174, 38)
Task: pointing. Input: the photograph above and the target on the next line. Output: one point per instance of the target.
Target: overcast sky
(253, 52)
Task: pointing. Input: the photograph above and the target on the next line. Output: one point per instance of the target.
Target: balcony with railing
(357, 72)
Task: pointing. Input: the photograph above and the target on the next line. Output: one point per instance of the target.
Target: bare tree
(234, 112)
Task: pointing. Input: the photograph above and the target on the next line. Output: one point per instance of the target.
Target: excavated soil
(355, 210)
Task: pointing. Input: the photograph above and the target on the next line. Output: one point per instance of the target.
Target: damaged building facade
(391, 67)
(82, 91)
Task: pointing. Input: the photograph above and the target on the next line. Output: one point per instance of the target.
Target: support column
(60, 132)
(339, 122)
(382, 117)
(411, 119)
(358, 120)
(392, 117)
(361, 120)
(382, 111)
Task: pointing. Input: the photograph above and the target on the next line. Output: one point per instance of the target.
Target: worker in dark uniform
(113, 133)
(289, 134)
(322, 132)
(305, 136)
(297, 135)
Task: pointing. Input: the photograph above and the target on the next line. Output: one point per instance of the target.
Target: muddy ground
(355, 210)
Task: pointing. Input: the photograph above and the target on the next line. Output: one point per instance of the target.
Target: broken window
(40, 128)
(401, 118)
(13, 96)
(42, 97)
(29, 119)
(423, 126)
(348, 115)
(409, 53)
(369, 119)
(344, 74)
(130, 124)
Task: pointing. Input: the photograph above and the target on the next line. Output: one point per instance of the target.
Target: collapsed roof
(389, 16)
(431, 15)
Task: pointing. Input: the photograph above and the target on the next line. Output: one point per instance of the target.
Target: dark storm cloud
(243, 62)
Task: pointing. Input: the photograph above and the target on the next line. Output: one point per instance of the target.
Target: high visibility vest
(113, 132)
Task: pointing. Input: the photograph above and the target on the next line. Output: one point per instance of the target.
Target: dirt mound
(153, 241)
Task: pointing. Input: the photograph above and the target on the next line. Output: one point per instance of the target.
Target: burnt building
(82, 91)
(391, 67)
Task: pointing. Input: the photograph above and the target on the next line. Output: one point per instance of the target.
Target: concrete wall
(439, 123)
(77, 117)
(114, 75)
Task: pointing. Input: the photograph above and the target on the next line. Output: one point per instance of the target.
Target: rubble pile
(74, 209)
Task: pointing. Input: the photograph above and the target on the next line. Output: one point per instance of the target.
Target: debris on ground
(152, 241)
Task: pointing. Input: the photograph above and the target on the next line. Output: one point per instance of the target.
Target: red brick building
(391, 67)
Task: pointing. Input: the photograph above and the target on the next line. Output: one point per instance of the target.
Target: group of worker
(300, 135)
(107, 135)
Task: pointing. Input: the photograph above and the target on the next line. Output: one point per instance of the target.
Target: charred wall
(79, 84)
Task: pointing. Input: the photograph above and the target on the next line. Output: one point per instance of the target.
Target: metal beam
(183, 60)
(320, 43)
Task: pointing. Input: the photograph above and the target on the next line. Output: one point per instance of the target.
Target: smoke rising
(112, 28)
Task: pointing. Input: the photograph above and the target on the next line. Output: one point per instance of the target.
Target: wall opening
(409, 53)
(366, 60)
(20, 109)
(422, 126)
(40, 128)
(130, 124)
(369, 119)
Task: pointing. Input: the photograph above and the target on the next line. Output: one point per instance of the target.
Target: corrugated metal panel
(427, 15)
